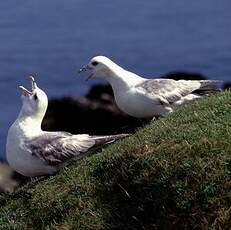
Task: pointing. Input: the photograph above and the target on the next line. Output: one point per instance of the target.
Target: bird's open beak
(27, 92)
(85, 68)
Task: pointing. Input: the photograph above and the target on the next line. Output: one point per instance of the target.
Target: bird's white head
(34, 101)
(101, 66)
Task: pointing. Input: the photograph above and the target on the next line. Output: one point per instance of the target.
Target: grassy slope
(174, 173)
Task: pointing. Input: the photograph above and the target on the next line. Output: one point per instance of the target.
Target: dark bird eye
(36, 97)
(94, 63)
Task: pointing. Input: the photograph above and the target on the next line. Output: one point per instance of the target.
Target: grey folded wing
(57, 148)
(170, 91)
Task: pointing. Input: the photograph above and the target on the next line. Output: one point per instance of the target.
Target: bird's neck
(29, 125)
(121, 79)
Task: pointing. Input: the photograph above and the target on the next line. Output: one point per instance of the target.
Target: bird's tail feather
(208, 87)
(107, 139)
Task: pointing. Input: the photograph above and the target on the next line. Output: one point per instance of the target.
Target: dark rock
(98, 92)
(96, 114)
(227, 85)
(184, 76)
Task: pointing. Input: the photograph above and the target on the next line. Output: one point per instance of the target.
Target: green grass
(172, 174)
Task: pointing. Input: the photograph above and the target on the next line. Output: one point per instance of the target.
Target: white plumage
(33, 152)
(145, 98)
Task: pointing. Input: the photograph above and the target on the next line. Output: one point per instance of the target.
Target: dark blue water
(53, 38)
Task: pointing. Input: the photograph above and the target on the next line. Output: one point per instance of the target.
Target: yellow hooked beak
(85, 68)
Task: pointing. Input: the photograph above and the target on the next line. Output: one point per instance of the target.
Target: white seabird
(146, 98)
(33, 152)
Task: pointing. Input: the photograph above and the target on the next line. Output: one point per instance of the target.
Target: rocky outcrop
(96, 113)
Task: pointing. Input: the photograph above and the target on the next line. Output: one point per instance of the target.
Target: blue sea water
(53, 38)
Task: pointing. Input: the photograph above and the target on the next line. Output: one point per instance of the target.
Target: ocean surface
(53, 38)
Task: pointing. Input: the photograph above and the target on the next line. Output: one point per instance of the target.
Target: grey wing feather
(57, 148)
(172, 90)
